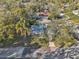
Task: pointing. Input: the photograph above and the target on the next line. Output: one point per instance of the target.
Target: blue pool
(39, 28)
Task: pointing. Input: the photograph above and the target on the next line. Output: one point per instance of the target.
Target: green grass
(73, 18)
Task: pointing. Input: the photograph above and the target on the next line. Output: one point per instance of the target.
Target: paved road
(31, 53)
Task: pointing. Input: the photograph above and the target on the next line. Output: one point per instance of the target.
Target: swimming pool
(38, 28)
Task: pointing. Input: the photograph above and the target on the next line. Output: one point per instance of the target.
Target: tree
(16, 17)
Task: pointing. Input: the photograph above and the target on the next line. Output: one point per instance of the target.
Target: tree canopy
(16, 17)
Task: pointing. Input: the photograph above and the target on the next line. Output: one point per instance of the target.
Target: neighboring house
(66, 5)
(2, 6)
(60, 15)
(76, 28)
(76, 32)
(68, 22)
(75, 12)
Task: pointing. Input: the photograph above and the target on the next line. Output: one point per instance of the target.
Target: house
(76, 12)
(44, 17)
(61, 14)
(76, 28)
(66, 5)
(43, 14)
(68, 22)
(76, 32)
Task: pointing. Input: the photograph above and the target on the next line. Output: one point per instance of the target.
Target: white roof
(77, 31)
(61, 14)
(75, 12)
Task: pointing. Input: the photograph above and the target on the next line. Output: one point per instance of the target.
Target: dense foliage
(16, 17)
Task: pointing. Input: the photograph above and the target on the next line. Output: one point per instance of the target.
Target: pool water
(38, 28)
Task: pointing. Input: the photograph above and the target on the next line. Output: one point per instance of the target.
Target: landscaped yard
(73, 18)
